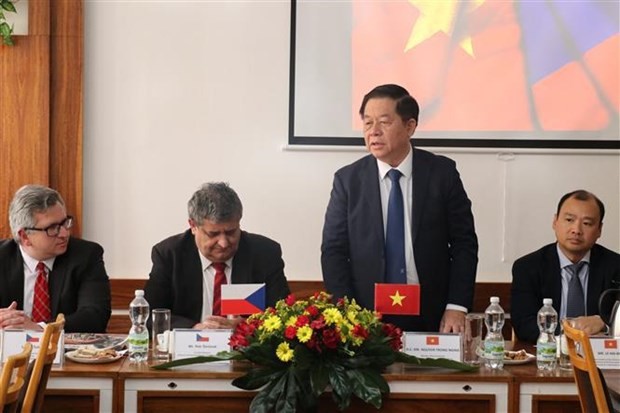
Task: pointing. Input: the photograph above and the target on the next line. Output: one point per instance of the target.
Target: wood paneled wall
(41, 106)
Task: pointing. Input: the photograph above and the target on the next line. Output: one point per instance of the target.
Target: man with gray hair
(44, 271)
(189, 268)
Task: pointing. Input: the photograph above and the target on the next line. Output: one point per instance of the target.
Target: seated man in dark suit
(44, 271)
(547, 273)
(189, 268)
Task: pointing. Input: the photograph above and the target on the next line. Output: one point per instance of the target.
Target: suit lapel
(241, 266)
(553, 272)
(370, 197)
(194, 274)
(596, 282)
(420, 179)
(57, 278)
(16, 278)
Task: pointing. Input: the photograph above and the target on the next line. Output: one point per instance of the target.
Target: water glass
(161, 334)
(564, 358)
(472, 338)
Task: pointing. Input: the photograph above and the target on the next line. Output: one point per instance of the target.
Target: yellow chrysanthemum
(332, 315)
(284, 352)
(304, 334)
(291, 321)
(272, 323)
(351, 316)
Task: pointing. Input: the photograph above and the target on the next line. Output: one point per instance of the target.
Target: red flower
(290, 300)
(312, 310)
(318, 324)
(302, 320)
(290, 332)
(360, 331)
(395, 333)
(331, 338)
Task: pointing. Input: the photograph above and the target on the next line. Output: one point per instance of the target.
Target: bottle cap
(139, 293)
(547, 301)
(494, 300)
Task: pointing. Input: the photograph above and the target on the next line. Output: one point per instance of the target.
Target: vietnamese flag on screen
(243, 299)
(401, 299)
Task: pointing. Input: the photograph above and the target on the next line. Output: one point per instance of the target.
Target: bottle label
(546, 351)
(494, 350)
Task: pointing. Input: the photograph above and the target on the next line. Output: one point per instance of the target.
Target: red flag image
(401, 299)
(611, 344)
(432, 341)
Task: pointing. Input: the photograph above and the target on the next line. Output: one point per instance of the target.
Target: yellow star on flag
(439, 16)
(397, 299)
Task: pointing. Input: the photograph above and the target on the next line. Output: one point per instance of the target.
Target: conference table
(125, 387)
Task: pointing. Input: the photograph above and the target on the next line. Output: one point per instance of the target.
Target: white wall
(179, 93)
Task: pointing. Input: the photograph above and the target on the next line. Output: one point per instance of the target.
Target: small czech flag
(243, 299)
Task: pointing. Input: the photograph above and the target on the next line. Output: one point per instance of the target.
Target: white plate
(71, 355)
(530, 357)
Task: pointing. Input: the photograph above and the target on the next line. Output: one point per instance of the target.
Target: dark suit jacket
(445, 245)
(538, 275)
(175, 281)
(78, 284)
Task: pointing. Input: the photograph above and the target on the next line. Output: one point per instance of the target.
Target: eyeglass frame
(66, 223)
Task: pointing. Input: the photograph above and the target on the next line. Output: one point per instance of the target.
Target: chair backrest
(593, 393)
(33, 400)
(13, 376)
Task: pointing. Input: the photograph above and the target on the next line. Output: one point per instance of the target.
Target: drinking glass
(472, 338)
(564, 358)
(161, 334)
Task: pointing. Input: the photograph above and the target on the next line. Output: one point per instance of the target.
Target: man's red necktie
(41, 303)
(220, 278)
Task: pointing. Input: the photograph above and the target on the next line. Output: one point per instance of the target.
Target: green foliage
(346, 348)
(6, 31)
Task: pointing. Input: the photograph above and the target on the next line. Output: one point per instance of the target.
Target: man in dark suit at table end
(576, 257)
(44, 271)
(189, 268)
(440, 251)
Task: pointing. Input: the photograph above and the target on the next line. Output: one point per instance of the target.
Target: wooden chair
(593, 393)
(13, 378)
(33, 399)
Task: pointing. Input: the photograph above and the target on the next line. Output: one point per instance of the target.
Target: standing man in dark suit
(44, 272)
(185, 266)
(546, 273)
(440, 243)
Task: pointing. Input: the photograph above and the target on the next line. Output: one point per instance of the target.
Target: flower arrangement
(301, 347)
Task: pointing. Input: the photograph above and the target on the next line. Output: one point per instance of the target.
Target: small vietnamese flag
(611, 344)
(402, 299)
(432, 340)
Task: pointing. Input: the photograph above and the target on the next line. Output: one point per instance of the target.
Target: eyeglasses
(54, 229)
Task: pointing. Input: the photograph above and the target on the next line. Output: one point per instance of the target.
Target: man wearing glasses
(44, 272)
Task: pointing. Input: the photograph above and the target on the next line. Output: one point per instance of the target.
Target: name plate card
(13, 343)
(433, 345)
(606, 352)
(191, 343)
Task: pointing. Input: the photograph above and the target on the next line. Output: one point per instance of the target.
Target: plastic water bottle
(494, 340)
(546, 346)
(138, 340)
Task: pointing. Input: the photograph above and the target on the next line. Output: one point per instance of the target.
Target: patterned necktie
(395, 265)
(41, 304)
(575, 304)
(220, 279)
